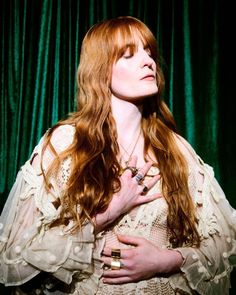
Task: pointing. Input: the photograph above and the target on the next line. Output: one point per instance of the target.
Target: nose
(146, 60)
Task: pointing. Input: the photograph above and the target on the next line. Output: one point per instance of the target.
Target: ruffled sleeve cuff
(63, 254)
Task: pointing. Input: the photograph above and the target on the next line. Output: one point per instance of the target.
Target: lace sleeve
(28, 245)
(61, 139)
(206, 270)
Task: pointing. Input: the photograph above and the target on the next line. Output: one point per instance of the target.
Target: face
(134, 76)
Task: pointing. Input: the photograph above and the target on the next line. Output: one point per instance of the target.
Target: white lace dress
(72, 262)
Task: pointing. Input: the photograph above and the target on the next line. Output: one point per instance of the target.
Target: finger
(150, 183)
(117, 281)
(108, 260)
(143, 199)
(145, 168)
(106, 254)
(114, 273)
(130, 240)
(153, 180)
(145, 187)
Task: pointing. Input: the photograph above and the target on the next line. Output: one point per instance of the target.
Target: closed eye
(127, 56)
(147, 49)
(149, 53)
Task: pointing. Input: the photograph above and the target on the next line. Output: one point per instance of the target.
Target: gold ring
(115, 264)
(115, 253)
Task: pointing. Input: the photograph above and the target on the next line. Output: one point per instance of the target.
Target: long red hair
(95, 169)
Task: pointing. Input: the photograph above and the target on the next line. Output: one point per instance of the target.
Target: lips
(148, 77)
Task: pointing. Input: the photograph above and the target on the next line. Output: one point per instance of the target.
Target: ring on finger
(115, 253)
(145, 189)
(115, 264)
(133, 170)
(139, 178)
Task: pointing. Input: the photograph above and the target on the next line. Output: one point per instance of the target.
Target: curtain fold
(188, 81)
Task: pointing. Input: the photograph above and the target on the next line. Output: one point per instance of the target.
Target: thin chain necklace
(126, 150)
(130, 155)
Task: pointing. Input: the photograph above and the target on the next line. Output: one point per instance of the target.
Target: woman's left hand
(142, 261)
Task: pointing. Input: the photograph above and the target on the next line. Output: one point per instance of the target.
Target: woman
(113, 200)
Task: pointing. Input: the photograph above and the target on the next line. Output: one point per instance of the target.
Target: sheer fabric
(72, 261)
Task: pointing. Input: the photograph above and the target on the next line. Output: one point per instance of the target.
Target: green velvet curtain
(40, 45)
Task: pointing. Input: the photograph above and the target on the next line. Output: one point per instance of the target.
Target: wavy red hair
(95, 171)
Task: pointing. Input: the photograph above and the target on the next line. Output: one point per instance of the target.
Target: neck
(128, 119)
(128, 123)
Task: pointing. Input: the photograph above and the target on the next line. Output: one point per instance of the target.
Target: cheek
(119, 77)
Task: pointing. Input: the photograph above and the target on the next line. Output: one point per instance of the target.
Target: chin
(150, 90)
(150, 93)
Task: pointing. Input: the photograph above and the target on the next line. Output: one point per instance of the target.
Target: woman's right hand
(129, 196)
